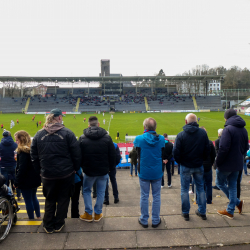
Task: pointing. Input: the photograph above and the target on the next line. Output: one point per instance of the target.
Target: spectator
(208, 172)
(112, 176)
(8, 162)
(229, 161)
(98, 158)
(217, 145)
(27, 178)
(149, 147)
(133, 161)
(167, 154)
(190, 148)
(55, 151)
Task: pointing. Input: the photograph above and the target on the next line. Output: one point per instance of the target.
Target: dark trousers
(57, 193)
(238, 184)
(208, 178)
(75, 200)
(172, 164)
(112, 177)
(31, 202)
(168, 168)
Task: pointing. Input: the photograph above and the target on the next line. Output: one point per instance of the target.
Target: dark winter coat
(191, 146)
(98, 152)
(233, 145)
(133, 156)
(7, 148)
(26, 175)
(56, 152)
(209, 161)
(168, 150)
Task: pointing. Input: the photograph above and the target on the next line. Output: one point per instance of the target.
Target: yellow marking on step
(28, 223)
(23, 203)
(24, 211)
(41, 198)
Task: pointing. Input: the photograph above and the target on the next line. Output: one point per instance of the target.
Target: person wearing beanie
(233, 146)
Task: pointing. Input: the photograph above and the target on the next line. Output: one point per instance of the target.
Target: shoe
(215, 187)
(86, 217)
(136, 175)
(240, 207)
(59, 229)
(185, 216)
(106, 202)
(131, 175)
(225, 213)
(98, 217)
(116, 200)
(48, 231)
(170, 186)
(144, 226)
(19, 198)
(94, 195)
(156, 225)
(203, 216)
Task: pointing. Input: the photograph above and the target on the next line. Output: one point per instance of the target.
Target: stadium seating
(209, 102)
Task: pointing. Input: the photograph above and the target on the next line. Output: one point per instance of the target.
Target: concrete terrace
(120, 229)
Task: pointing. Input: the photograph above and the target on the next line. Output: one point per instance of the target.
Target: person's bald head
(149, 124)
(190, 118)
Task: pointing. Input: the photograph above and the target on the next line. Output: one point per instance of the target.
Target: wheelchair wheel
(6, 216)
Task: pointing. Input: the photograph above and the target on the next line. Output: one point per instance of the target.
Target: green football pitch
(129, 123)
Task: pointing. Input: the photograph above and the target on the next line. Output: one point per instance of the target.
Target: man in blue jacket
(149, 148)
(190, 149)
(8, 162)
(229, 161)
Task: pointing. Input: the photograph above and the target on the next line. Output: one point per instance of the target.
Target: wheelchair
(8, 215)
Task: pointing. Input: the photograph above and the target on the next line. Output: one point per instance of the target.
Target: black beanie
(230, 112)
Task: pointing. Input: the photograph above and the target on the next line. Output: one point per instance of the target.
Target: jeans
(168, 168)
(88, 182)
(197, 174)
(57, 193)
(31, 202)
(156, 206)
(227, 182)
(245, 168)
(112, 176)
(131, 169)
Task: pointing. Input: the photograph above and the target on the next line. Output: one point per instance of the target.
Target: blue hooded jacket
(233, 145)
(149, 147)
(191, 146)
(7, 148)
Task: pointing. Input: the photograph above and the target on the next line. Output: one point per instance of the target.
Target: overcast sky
(140, 37)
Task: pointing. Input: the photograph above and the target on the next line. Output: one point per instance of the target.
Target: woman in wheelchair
(8, 209)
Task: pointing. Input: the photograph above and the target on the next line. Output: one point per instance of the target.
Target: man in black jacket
(167, 154)
(190, 148)
(56, 154)
(98, 158)
(229, 161)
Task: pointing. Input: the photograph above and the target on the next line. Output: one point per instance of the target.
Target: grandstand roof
(107, 78)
